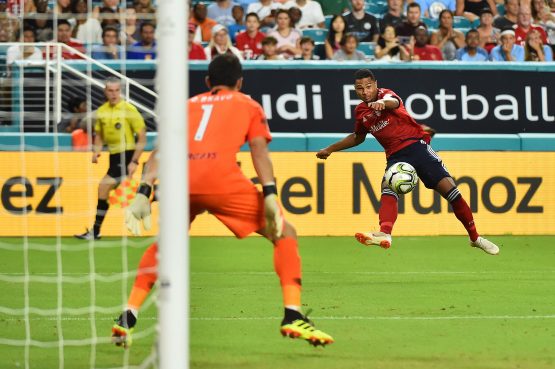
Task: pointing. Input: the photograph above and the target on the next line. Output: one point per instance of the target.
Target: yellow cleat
(122, 336)
(304, 329)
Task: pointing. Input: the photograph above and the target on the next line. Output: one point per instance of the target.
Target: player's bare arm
(261, 160)
(385, 103)
(351, 140)
(97, 148)
(139, 148)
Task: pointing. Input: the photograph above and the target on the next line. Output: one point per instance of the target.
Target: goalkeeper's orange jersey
(220, 123)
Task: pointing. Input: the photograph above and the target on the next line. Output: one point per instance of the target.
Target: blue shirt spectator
(497, 53)
(432, 8)
(476, 55)
(221, 12)
(146, 48)
(110, 49)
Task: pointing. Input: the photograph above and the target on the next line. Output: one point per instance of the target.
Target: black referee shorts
(119, 163)
(424, 159)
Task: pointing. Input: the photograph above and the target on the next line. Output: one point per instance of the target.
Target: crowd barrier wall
(510, 192)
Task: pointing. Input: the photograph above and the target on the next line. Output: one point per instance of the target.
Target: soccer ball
(401, 177)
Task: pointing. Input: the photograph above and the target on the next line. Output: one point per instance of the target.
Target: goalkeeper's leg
(146, 277)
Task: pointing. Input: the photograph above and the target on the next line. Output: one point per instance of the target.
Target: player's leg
(448, 189)
(387, 217)
(107, 183)
(243, 214)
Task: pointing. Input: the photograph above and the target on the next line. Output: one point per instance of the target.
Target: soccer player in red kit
(382, 114)
(220, 122)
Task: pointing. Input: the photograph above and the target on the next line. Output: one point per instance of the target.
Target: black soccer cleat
(88, 235)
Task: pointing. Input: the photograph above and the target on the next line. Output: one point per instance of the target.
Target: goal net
(61, 295)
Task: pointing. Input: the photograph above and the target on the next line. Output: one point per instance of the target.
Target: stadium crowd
(466, 30)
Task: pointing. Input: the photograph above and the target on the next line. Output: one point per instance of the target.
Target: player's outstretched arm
(350, 141)
(264, 168)
(139, 210)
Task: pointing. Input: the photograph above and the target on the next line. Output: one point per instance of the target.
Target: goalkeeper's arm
(264, 168)
(139, 210)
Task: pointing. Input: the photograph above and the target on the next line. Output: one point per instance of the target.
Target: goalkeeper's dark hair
(364, 73)
(225, 70)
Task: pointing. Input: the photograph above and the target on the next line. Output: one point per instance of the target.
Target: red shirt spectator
(427, 52)
(250, 41)
(196, 51)
(524, 25)
(64, 36)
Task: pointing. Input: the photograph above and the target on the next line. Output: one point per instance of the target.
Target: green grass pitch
(426, 303)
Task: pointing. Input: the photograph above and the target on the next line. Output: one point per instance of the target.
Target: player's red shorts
(242, 213)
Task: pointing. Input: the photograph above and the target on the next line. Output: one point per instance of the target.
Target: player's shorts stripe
(453, 194)
(433, 153)
(387, 191)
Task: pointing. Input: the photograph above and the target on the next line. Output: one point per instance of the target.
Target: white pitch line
(216, 319)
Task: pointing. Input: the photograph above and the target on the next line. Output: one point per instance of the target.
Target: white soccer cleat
(374, 238)
(488, 246)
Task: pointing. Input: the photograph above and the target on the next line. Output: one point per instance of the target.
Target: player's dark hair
(224, 70)
(364, 73)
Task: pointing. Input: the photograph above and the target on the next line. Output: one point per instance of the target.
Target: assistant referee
(120, 127)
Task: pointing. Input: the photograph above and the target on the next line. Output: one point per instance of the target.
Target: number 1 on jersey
(206, 112)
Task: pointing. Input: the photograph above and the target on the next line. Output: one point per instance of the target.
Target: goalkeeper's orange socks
(287, 264)
(101, 210)
(146, 277)
(388, 212)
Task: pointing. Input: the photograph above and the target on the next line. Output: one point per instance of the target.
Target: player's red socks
(287, 264)
(146, 277)
(464, 215)
(388, 212)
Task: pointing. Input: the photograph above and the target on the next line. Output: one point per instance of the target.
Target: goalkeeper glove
(272, 212)
(139, 210)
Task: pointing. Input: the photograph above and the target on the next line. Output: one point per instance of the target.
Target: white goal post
(173, 269)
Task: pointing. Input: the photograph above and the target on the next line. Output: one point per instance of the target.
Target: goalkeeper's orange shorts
(242, 213)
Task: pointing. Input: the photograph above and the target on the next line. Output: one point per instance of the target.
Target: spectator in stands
(220, 44)
(130, 32)
(507, 50)
(394, 15)
(110, 4)
(419, 48)
(360, 23)
(249, 42)
(62, 9)
(542, 15)
(471, 9)
(510, 17)
(472, 52)
(29, 52)
(489, 35)
(312, 15)
(239, 26)
(432, 8)
(408, 27)
(146, 12)
(8, 28)
(534, 49)
(524, 26)
(221, 12)
(269, 49)
(109, 17)
(63, 35)
(110, 49)
(288, 37)
(446, 37)
(87, 29)
(388, 46)
(196, 51)
(295, 14)
(348, 51)
(307, 49)
(42, 22)
(146, 48)
(266, 11)
(335, 34)
(77, 107)
(80, 139)
(200, 19)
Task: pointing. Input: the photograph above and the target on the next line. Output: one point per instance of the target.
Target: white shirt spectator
(90, 32)
(263, 10)
(15, 52)
(235, 51)
(312, 13)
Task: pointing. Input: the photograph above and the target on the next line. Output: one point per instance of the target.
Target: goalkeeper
(220, 122)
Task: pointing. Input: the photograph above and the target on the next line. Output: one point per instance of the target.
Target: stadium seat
(501, 9)
(376, 8)
(317, 34)
(476, 23)
(461, 22)
(430, 23)
(320, 50)
(327, 21)
(368, 48)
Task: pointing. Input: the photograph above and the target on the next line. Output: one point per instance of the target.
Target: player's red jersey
(393, 128)
(219, 124)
